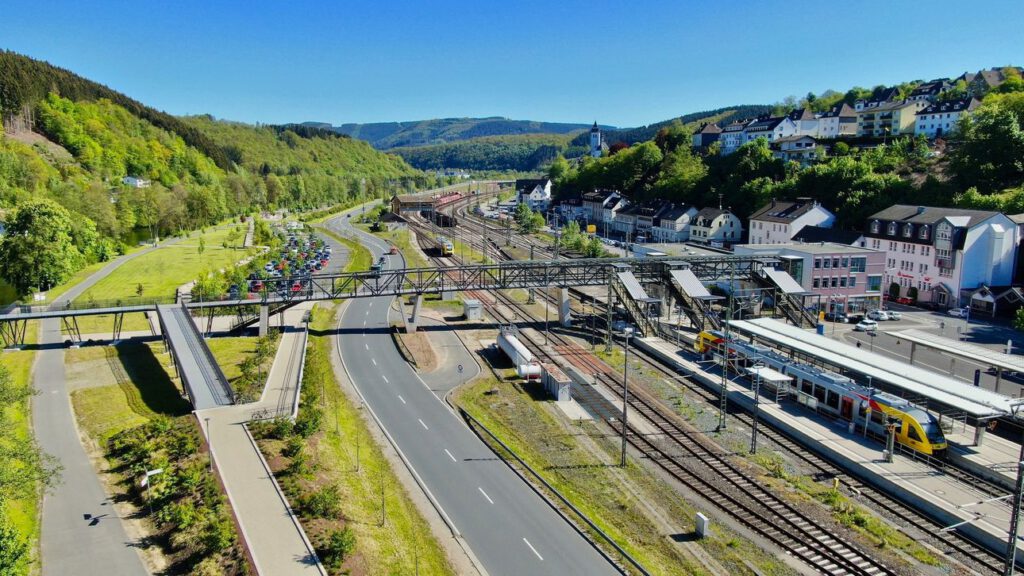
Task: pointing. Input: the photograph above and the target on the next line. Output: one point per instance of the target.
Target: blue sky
(622, 63)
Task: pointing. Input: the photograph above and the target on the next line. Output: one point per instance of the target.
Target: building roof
(801, 114)
(931, 215)
(930, 88)
(809, 234)
(889, 106)
(711, 213)
(794, 139)
(648, 209)
(967, 104)
(842, 110)
(673, 212)
(529, 184)
(809, 248)
(784, 211)
(601, 196)
(709, 128)
(737, 125)
(765, 124)
(1017, 218)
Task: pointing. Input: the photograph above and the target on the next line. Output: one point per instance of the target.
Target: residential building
(802, 149)
(889, 118)
(732, 136)
(980, 82)
(887, 95)
(716, 226)
(594, 203)
(929, 91)
(940, 254)
(769, 128)
(673, 224)
(596, 141)
(818, 234)
(612, 206)
(135, 182)
(706, 135)
(847, 278)
(805, 120)
(941, 118)
(570, 208)
(838, 121)
(779, 220)
(535, 193)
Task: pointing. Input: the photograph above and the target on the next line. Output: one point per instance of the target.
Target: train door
(846, 409)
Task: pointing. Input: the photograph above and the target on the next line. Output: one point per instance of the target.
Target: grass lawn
(142, 390)
(359, 257)
(162, 271)
(23, 512)
(632, 505)
(389, 549)
(103, 325)
(402, 238)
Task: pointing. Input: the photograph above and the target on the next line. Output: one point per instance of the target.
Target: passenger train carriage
(446, 246)
(838, 395)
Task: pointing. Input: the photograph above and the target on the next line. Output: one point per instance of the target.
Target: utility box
(472, 309)
(556, 383)
(702, 525)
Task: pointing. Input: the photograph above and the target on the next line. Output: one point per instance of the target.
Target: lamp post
(1011, 544)
(625, 400)
(547, 291)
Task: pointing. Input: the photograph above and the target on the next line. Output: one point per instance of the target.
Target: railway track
(834, 555)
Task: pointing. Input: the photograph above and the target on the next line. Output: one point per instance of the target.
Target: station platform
(948, 500)
(995, 460)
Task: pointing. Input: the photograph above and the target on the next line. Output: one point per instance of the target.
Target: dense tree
(39, 249)
(991, 151)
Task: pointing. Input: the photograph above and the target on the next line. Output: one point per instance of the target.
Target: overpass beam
(264, 320)
(410, 326)
(564, 309)
(979, 433)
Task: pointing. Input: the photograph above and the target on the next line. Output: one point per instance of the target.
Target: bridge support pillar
(564, 310)
(979, 433)
(410, 326)
(264, 320)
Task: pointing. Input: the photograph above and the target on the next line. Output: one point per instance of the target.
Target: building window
(842, 282)
(815, 283)
(817, 262)
(908, 230)
(858, 264)
(874, 283)
(846, 262)
(892, 229)
(828, 262)
(835, 282)
(852, 282)
(923, 235)
(835, 262)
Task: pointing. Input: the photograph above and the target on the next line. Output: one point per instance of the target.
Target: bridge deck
(203, 379)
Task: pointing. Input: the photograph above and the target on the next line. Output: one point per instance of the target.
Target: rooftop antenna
(719, 200)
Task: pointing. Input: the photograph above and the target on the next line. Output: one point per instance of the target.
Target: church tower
(595, 141)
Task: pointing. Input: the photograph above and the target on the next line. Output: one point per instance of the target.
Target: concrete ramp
(204, 381)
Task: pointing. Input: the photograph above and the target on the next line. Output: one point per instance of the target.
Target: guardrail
(625, 555)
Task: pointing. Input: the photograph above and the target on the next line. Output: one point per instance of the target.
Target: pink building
(848, 278)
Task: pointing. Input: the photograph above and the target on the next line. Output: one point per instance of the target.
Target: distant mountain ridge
(387, 135)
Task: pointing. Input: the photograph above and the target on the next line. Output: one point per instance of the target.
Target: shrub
(339, 545)
(324, 503)
(293, 446)
(308, 422)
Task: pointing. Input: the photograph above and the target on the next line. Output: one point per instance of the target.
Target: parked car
(894, 315)
(957, 312)
(880, 315)
(836, 317)
(904, 300)
(866, 326)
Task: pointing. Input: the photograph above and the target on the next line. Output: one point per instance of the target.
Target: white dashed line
(374, 360)
(450, 455)
(364, 323)
(422, 424)
(367, 346)
(402, 399)
(386, 381)
(541, 558)
(492, 502)
(370, 305)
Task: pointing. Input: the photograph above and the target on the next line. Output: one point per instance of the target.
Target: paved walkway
(81, 532)
(275, 539)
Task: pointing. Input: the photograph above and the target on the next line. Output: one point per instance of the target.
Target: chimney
(920, 210)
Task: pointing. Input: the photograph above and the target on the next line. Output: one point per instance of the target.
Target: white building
(779, 220)
(732, 136)
(596, 141)
(806, 122)
(943, 254)
(135, 182)
(802, 149)
(535, 193)
(771, 129)
(941, 118)
(673, 224)
(839, 121)
(717, 226)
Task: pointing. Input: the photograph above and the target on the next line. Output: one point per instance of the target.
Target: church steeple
(595, 141)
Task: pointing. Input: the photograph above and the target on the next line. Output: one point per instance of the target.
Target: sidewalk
(275, 539)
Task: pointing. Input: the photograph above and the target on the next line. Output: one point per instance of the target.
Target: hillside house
(535, 193)
(939, 119)
(838, 121)
(706, 135)
(889, 118)
(673, 224)
(716, 226)
(779, 220)
(802, 149)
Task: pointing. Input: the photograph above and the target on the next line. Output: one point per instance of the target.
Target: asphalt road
(509, 528)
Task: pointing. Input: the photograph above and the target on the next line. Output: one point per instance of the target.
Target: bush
(339, 545)
(1018, 319)
(324, 503)
(308, 422)
(293, 446)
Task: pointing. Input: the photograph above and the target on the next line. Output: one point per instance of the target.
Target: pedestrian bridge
(201, 376)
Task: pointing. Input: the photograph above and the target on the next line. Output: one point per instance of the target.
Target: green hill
(387, 135)
(68, 143)
(525, 153)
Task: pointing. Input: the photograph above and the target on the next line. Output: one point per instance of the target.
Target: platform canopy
(939, 388)
(784, 281)
(768, 375)
(966, 350)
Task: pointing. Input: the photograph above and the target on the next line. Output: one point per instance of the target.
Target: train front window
(933, 432)
(912, 433)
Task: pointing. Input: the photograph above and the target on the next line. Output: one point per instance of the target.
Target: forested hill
(387, 135)
(65, 155)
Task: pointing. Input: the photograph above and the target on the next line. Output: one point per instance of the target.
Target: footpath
(271, 531)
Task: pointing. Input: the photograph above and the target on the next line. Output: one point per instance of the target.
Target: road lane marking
(386, 381)
(364, 323)
(492, 502)
(367, 313)
(374, 360)
(370, 306)
(367, 346)
(450, 455)
(422, 424)
(533, 549)
(402, 399)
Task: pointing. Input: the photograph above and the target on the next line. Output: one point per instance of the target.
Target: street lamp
(547, 291)
(625, 398)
